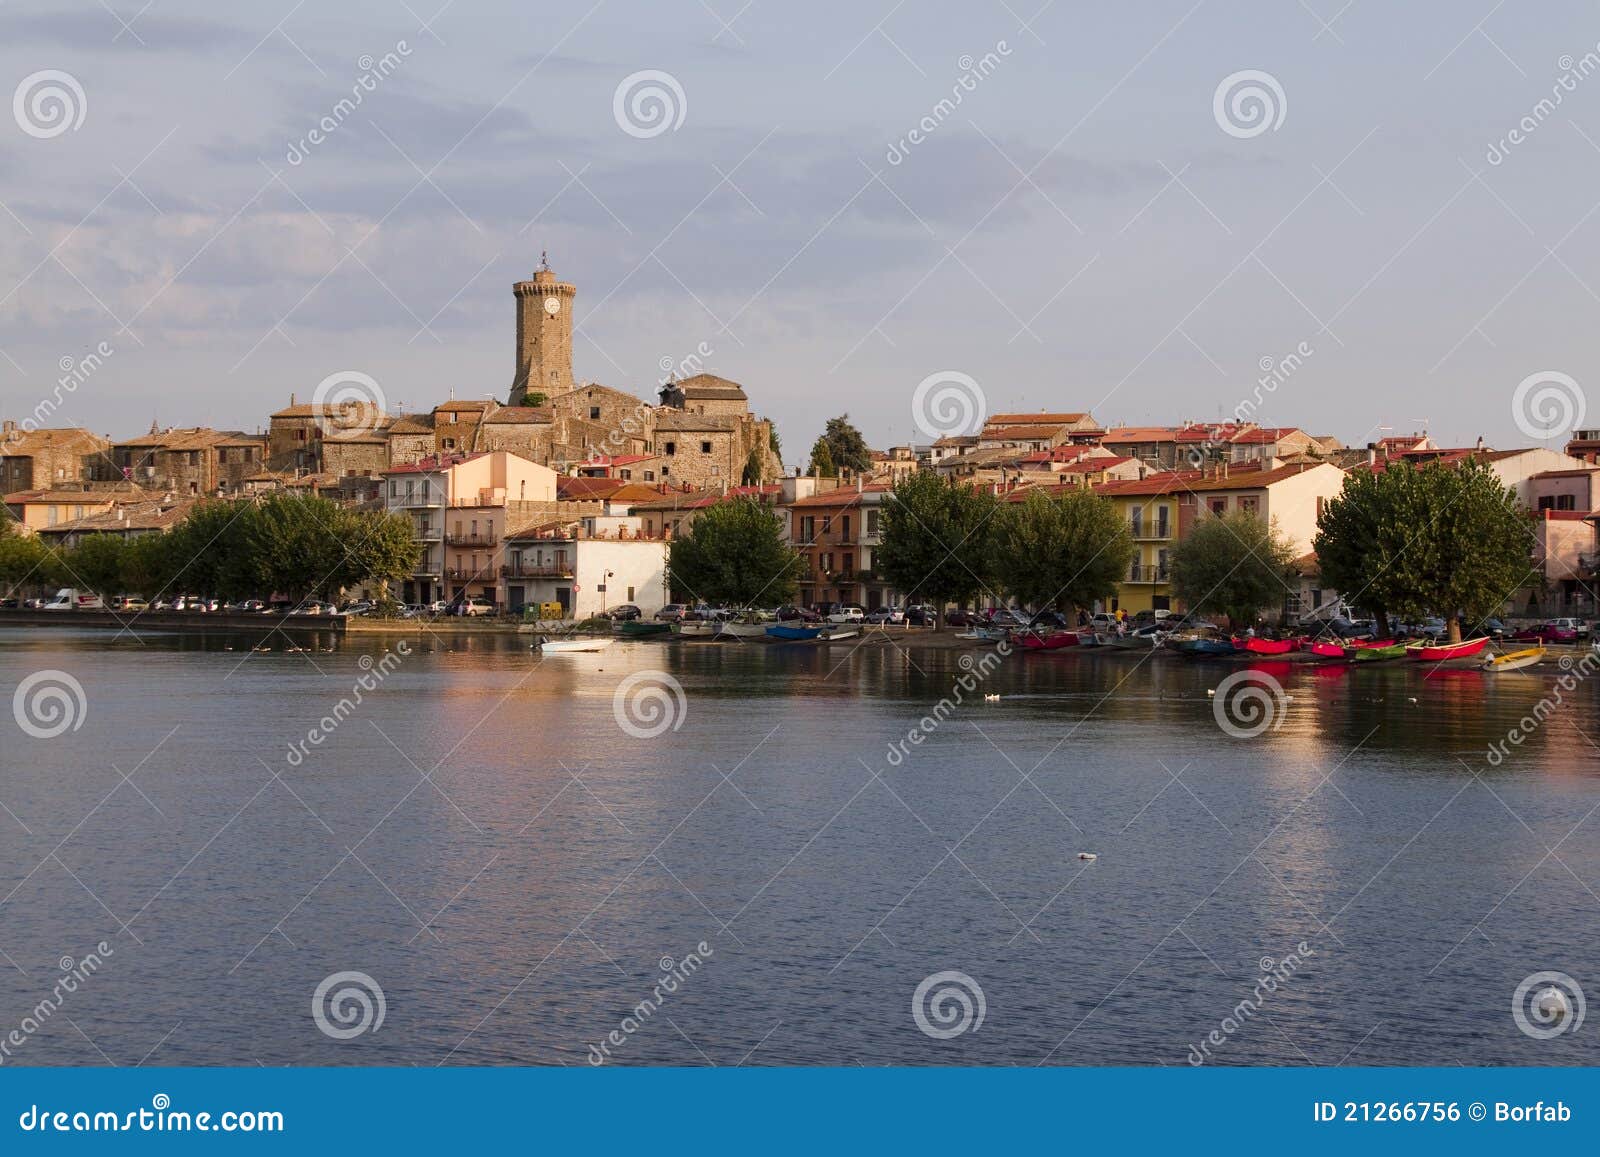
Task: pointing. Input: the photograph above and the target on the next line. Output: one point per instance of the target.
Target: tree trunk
(1454, 625)
(1383, 624)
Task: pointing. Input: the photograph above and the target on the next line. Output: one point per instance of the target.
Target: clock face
(552, 305)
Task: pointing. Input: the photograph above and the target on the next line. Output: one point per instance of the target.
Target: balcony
(1150, 531)
(457, 538)
(428, 533)
(529, 570)
(423, 500)
(1147, 573)
(486, 575)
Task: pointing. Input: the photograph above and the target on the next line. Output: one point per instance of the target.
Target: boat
(1266, 646)
(1440, 652)
(1087, 638)
(549, 646)
(1369, 643)
(1204, 647)
(838, 633)
(1323, 649)
(643, 628)
(1033, 641)
(737, 630)
(1367, 653)
(1139, 642)
(694, 629)
(1514, 660)
(787, 633)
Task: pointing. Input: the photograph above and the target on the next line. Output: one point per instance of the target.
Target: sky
(1094, 225)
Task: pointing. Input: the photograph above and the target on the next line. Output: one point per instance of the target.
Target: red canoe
(1370, 643)
(1439, 652)
(1328, 650)
(1267, 646)
(1033, 642)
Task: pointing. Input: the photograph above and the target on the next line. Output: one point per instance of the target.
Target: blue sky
(1080, 233)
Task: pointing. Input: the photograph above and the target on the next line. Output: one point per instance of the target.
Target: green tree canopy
(25, 562)
(1451, 541)
(1060, 552)
(822, 464)
(98, 562)
(734, 553)
(846, 446)
(1232, 564)
(937, 537)
(754, 467)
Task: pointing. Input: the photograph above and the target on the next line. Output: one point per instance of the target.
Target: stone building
(191, 462)
(346, 440)
(43, 457)
(544, 338)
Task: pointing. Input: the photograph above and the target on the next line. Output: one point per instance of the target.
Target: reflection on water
(479, 836)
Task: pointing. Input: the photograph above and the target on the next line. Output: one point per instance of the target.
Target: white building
(588, 567)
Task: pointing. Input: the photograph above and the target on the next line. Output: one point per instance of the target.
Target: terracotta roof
(461, 407)
(1033, 419)
(192, 438)
(1567, 473)
(20, 443)
(700, 499)
(1141, 434)
(434, 463)
(412, 424)
(1264, 434)
(156, 514)
(842, 496)
(711, 387)
(991, 431)
(958, 440)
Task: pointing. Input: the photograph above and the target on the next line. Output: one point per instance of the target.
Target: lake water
(484, 840)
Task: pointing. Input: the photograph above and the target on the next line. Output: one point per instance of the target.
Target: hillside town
(567, 495)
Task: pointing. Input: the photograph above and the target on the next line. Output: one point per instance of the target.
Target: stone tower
(544, 336)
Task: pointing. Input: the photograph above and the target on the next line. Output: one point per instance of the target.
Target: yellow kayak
(1514, 661)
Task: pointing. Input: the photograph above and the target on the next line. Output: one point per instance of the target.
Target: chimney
(860, 482)
(1480, 443)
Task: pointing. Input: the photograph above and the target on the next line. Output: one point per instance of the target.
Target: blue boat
(788, 634)
(1205, 646)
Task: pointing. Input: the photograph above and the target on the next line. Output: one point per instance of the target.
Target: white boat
(695, 629)
(549, 645)
(736, 630)
(838, 633)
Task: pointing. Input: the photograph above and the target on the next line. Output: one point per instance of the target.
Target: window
(844, 531)
(594, 415)
(1219, 506)
(872, 522)
(715, 470)
(299, 436)
(449, 443)
(665, 470)
(827, 524)
(649, 475)
(705, 447)
(671, 449)
(808, 528)
(1249, 504)
(625, 475)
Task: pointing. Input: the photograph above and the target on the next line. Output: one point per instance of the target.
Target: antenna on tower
(544, 260)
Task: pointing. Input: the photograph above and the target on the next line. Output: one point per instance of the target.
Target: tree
(1445, 540)
(207, 553)
(98, 562)
(822, 464)
(294, 545)
(380, 548)
(936, 539)
(754, 468)
(1061, 552)
(846, 446)
(1234, 564)
(734, 553)
(23, 560)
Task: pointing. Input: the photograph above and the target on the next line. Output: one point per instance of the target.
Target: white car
(849, 614)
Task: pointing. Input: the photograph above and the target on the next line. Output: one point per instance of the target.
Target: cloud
(97, 30)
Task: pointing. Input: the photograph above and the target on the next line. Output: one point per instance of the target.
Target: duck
(1089, 856)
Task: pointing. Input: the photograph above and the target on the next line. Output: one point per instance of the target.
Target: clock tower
(544, 336)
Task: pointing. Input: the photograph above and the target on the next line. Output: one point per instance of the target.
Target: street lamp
(604, 589)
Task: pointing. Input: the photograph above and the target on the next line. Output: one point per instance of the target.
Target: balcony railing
(1147, 573)
(1144, 531)
(429, 534)
(426, 498)
(456, 538)
(558, 570)
(471, 576)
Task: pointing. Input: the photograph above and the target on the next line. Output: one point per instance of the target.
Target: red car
(1550, 632)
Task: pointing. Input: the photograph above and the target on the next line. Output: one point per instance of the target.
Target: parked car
(671, 613)
(847, 613)
(789, 613)
(474, 607)
(129, 603)
(1494, 628)
(1103, 621)
(921, 615)
(34, 604)
(1579, 627)
(1549, 631)
(9, 604)
(627, 612)
(359, 607)
(1004, 617)
(1146, 617)
(882, 615)
(1048, 619)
